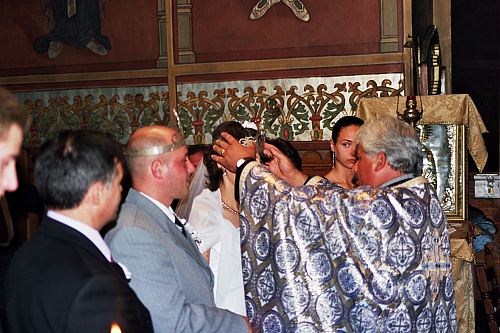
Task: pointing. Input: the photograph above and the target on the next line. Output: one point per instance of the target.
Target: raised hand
(283, 167)
(231, 151)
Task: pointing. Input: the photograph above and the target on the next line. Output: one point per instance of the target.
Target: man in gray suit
(169, 274)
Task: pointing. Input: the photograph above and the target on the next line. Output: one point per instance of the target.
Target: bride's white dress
(214, 232)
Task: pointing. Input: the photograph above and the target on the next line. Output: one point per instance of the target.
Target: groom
(169, 274)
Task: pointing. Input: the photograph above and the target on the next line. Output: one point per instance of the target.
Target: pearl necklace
(230, 209)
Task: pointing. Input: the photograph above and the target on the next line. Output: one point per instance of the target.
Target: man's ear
(157, 169)
(95, 193)
(381, 161)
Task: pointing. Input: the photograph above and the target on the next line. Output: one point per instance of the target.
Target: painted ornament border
(302, 109)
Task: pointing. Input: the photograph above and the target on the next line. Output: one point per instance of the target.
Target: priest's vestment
(318, 258)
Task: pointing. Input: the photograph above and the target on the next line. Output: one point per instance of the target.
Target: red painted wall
(224, 31)
(131, 26)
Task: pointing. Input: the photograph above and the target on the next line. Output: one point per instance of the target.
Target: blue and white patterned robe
(319, 258)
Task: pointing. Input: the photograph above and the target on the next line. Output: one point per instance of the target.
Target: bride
(215, 219)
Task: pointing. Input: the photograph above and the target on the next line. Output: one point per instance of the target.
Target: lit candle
(115, 329)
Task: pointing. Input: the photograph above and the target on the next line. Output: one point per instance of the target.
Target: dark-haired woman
(215, 219)
(344, 151)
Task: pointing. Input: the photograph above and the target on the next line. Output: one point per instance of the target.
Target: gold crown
(178, 141)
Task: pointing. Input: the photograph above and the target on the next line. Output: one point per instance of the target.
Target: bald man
(169, 274)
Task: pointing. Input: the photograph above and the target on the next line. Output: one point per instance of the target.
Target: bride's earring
(225, 172)
(332, 148)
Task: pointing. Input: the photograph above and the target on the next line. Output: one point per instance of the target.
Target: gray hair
(396, 139)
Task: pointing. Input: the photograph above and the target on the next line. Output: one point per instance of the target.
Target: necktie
(181, 226)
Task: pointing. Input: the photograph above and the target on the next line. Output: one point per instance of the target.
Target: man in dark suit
(64, 279)
(171, 276)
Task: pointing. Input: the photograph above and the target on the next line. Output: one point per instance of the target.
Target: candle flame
(115, 329)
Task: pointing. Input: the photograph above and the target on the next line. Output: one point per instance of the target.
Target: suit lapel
(117, 268)
(169, 227)
(186, 243)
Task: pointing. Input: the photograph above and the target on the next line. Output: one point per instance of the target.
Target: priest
(318, 258)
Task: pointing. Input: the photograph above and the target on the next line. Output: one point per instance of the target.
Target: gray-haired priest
(317, 258)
